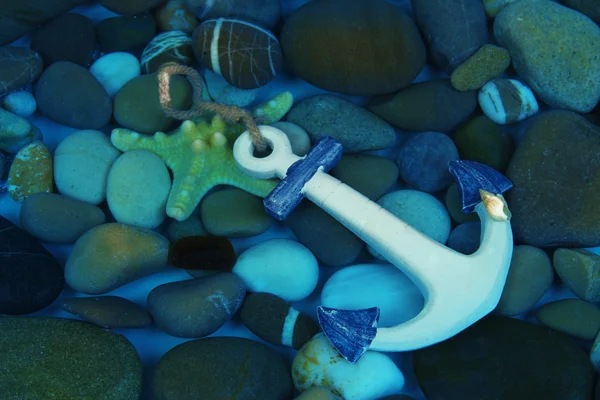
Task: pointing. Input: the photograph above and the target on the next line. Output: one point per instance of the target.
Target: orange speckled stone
(30, 172)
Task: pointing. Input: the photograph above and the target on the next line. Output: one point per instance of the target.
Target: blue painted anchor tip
(471, 176)
(351, 332)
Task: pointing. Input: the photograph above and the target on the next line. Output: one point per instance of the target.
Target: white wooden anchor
(458, 289)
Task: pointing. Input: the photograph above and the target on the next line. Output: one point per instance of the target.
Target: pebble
(263, 12)
(137, 105)
(54, 218)
(316, 393)
(579, 271)
(423, 161)
(555, 174)
(234, 213)
(114, 70)
(426, 106)
(501, 357)
(253, 57)
(109, 312)
(573, 317)
(452, 39)
(68, 94)
(318, 363)
(421, 211)
(196, 308)
(374, 285)
(481, 140)
(298, 137)
(171, 46)
(130, 7)
(16, 132)
(223, 92)
(126, 34)
(31, 277)
(30, 172)
(465, 238)
(19, 67)
(454, 207)
(352, 125)
(130, 199)
(206, 253)
(68, 37)
(21, 103)
(330, 45)
(331, 242)
(192, 226)
(275, 321)
(529, 277)
(493, 7)
(174, 15)
(506, 101)
(112, 255)
(273, 110)
(554, 50)
(82, 162)
(230, 367)
(282, 267)
(489, 62)
(368, 174)
(43, 365)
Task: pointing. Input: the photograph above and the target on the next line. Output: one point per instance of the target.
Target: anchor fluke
(349, 331)
(471, 177)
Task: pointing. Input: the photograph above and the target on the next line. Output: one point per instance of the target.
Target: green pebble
(485, 64)
(274, 109)
(483, 141)
(453, 205)
(368, 174)
(574, 317)
(579, 270)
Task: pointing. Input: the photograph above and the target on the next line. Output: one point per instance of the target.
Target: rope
(231, 114)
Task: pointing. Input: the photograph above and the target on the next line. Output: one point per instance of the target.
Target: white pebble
(297, 136)
(506, 101)
(114, 70)
(421, 211)
(374, 285)
(281, 267)
(372, 377)
(21, 103)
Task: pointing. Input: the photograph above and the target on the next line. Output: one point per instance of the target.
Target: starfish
(200, 158)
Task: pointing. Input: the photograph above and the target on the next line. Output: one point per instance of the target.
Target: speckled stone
(130, 7)
(487, 63)
(30, 172)
(130, 34)
(579, 269)
(426, 106)
(221, 367)
(573, 317)
(42, 365)
(368, 174)
(19, 66)
(172, 46)
(110, 312)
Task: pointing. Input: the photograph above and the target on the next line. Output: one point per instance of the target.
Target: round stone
(129, 196)
(465, 238)
(316, 393)
(299, 139)
(281, 267)
(489, 62)
(171, 46)
(330, 45)
(30, 172)
(579, 269)
(454, 206)
(68, 94)
(368, 174)
(424, 159)
(110, 312)
(574, 317)
(506, 101)
(529, 277)
(114, 70)
(262, 12)
(21, 103)
(127, 33)
(174, 15)
(130, 7)
(19, 66)
(202, 253)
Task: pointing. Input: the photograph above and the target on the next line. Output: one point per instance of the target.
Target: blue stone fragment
(349, 331)
(470, 176)
(288, 193)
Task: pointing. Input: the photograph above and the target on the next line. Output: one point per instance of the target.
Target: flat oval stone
(330, 45)
(234, 213)
(207, 253)
(529, 277)
(506, 357)
(282, 267)
(16, 132)
(426, 106)
(54, 218)
(130, 7)
(21, 103)
(113, 70)
(171, 46)
(465, 238)
(579, 269)
(262, 12)
(68, 94)
(506, 101)
(368, 174)
(129, 196)
(126, 33)
(30, 172)
(247, 55)
(111, 255)
(30, 277)
(316, 393)
(487, 63)
(275, 321)
(110, 312)
(81, 165)
(352, 125)
(374, 285)
(42, 365)
(19, 66)
(221, 367)
(574, 317)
